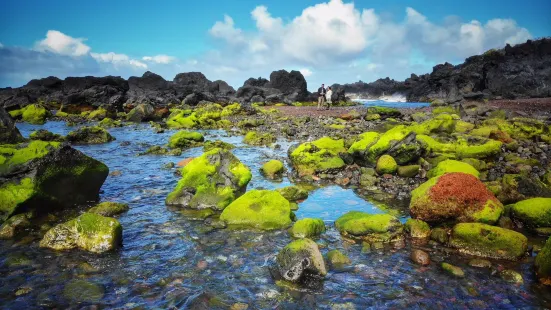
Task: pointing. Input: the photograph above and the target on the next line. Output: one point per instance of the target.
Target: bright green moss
(231, 109)
(259, 209)
(385, 111)
(90, 135)
(14, 195)
(417, 228)
(257, 138)
(109, 208)
(336, 259)
(337, 126)
(97, 115)
(488, 241)
(386, 164)
(483, 131)
(449, 165)
(273, 168)
(364, 141)
(517, 160)
(307, 228)
(293, 193)
(534, 213)
(109, 122)
(185, 139)
(318, 156)
(371, 227)
(16, 114)
(209, 145)
(45, 135)
(34, 150)
(182, 119)
(397, 133)
(444, 109)
(475, 163)
(61, 114)
(35, 114)
(543, 264)
(461, 149)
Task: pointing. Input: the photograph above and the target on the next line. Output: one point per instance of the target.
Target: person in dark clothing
(321, 96)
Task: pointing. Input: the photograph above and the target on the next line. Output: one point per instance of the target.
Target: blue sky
(332, 41)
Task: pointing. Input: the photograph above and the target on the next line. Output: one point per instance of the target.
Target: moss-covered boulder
(417, 228)
(45, 135)
(90, 135)
(261, 209)
(318, 156)
(182, 119)
(461, 148)
(533, 213)
(488, 241)
(9, 134)
(90, 232)
(363, 142)
(450, 165)
(97, 115)
(273, 169)
(212, 180)
(337, 260)
(231, 109)
(217, 144)
(543, 264)
(300, 261)
(409, 171)
(35, 114)
(293, 193)
(109, 208)
(141, 113)
(185, 139)
(386, 141)
(44, 175)
(109, 123)
(307, 228)
(457, 197)
(386, 164)
(369, 227)
(258, 139)
(83, 291)
(517, 187)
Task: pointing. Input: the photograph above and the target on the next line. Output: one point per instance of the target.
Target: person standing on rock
(328, 97)
(321, 96)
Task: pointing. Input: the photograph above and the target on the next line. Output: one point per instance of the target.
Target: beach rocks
(9, 134)
(454, 196)
(448, 166)
(417, 228)
(142, 112)
(543, 264)
(261, 209)
(386, 165)
(453, 270)
(307, 228)
(15, 224)
(293, 193)
(533, 213)
(420, 257)
(369, 227)
(409, 171)
(43, 175)
(488, 241)
(212, 180)
(90, 135)
(32, 113)
(337, 260)
(185, 139)
(273, 169)
(108, 208)
(90, 232)
(259, 139)
(317, 157)
(45, 135)
(301, 260)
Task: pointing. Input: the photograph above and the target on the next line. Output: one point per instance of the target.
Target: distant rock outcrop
(283, 86)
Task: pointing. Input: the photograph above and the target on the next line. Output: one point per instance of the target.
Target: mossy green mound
(369, 227)
(461, 148)
(293, 193)
(257, 138)
(231, 109)
(319, 156)
(109, 208)
(42, 175)
(384, 112)
(97, 115)
(488, 241)
(90, 135)
(533, 213)
(217, 144)
(259, 209)
(448, 166)
(33, 113)
(337, 260)
(212, 180)
(454, 196)
(45, 135)
(363, 142)
(90, 232)
(386, 164)
(273, 169)
(182, 119)
(109, 123)
(409, 171)
(417, 228)
(543, 264)
(83, 291)
(307, 228)
(386, 141)
(301, 259)
(185, 139)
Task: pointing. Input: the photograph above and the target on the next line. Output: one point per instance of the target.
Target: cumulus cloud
(118, 60)
(160, 59)
(306, 72)
(62, 44)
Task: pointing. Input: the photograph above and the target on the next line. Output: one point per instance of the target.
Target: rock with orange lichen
(458, 197)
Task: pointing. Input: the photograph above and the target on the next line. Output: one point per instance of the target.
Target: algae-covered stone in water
(273, 169)
(308, 228)
(369, 227)
(533, 213)
(301, 259)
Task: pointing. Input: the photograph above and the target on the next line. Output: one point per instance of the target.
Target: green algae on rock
(83, 291)
(109, 123)
(417, 228)
(386, 164)
(272, 169)
(300, 260)
(293, 193)
(259, 139)
(15, 224)
(453, 270)
(142, 112)
(108, 208)
(454, 196)
(33, 113)
(307, 228)
(45, 135)
(543, 264)
(90, 232)
(159, 150)
(318, 156)
(90, 135)
(97, 115)
(337, 260)
(369, 227)
(209, 145)
(261, 209)
(450, 165)
(461, 148)
(409, 171)
(185, 139)
(42, 175)
(488, 241)
(533, 213)
(212, 180)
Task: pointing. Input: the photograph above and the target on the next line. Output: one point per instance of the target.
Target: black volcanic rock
(9, 134)
(152, 89)
(283, 86)
(95, 91)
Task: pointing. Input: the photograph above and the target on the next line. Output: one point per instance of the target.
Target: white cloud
(306, 72)
(118, 60)
(225, 30)
(160, 59)
(63, 44)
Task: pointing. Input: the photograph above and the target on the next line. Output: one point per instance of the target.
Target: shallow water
(168, 260)
(392, 104)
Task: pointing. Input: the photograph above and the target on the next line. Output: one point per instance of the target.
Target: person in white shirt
(328, 97)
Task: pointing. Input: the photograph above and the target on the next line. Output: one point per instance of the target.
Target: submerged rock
(273, 169)
(45, 135)
(319, 156)
(108, 208)
(44, 175)
(301, 260)
(209, 145)
(9, 134)
(369, 227)
(83, 291)
(259, 209)
(533, 213)
(307, 228)
(488, 241)
(454, 196)
(90, 135)
(417, 228)
(293, 193)
(543, 264)
(212, 180)
(15, 224)
(185, 139)
(453, 270)
(90, 232)
(337, 260)
(511, 276)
